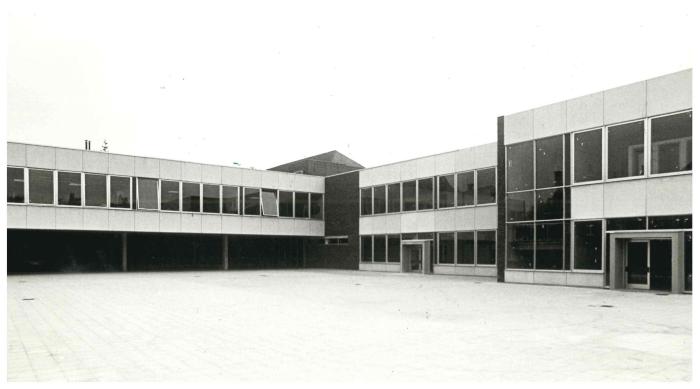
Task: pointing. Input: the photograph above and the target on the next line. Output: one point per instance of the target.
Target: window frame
(138, 196)
(277, 202)
(439, 205)
(241, 201)
(160, 196)
(54, 188)
(132, 200)
(476, 187)
(476, 248)
(107, 188)
(647, 146)
(238, 199)
(645, 157)
(603, 254)
(221, 203)
(603, 156)
(182, 197)
(454, 249)
(279, 213)
(25, 185)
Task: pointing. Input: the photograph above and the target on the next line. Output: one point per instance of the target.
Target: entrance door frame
(646, 285)
(618, 247)
(424, 244)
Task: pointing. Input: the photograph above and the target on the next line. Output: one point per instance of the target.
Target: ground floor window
(486, 247)
(549, 247)
(688, 254)
(394, 248)
(366, 248)
(465, 247)
(379, 248)
(446, 246)
(521, 245)
(588, 238)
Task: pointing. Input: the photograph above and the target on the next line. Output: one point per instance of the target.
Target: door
(415, 258)
(660, 264)
(638, 264)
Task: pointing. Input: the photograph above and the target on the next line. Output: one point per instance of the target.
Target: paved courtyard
(336, 326)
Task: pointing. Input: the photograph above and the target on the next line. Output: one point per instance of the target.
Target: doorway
(415, 256)
(648, 264)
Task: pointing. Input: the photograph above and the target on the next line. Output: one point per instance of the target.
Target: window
(465, 248)
(379, 199)
(520, 206)
(394, 248)
(521, 248)
(251, 201)
(486, 247)
(409, 196)
(366, 248)
(446, 247)
(486, 181)
(588, 154)
(95, 190)
(169, 195)
(549, 161)
(69, 189)
(366, 201)
(465, 189)
(15, 185)
(550, 246)
(588, 238)
(211, 202)
(120, 192)
(269, 202)
(519, 167)
(550, 204)
(147, 193)
(446, 191)
(301, 204)
(394, 198)
(229, 199)
(626, 150)
(317, 206)
(379, 248)
(626, 224)
(336, 241)
(425, 193)
(191, 197)
(672, 143)
(670, 222)
(286, 200)
(40, 186)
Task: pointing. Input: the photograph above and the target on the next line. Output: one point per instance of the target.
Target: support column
(224, 252)
(501, 201)
(677, 263)
(124, 251)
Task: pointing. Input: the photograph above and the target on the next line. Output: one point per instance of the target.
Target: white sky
(262, 83)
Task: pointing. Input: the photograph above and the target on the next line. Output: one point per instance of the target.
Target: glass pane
(269, 202)
(446, 195)
(549, 162)
(465, 189)
(670, 222)
(626, 224)
(588, 237)
(229, 199)
(688, 259)
(519, 167)
(486, 180)
(588, 154)
(637, 256)
(425, 193)
(15, 185)
(148, 193)
(317, 206)
(446, 247)
(486, 247)
(465, 247)
(120, 192)
(520, 206)
(550, 204)
(672, 143)
(286, 200)
(521, 249)
(69, 188)
(394, 248)
(626, 150)
(190, 197)
(210, 198)
(550, 246)
(379, 199)
(366, 201)
(40, 186)
(169, 195)
(366, 248)
(95, 190)
(251, 201)
(409, 196)
(301, 207)
(394, 194)
(379, 248)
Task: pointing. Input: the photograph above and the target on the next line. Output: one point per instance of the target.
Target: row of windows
(467, 248)
(542, 204)
(544, 246)
(457, 189)
(540, 163)
(99, 190)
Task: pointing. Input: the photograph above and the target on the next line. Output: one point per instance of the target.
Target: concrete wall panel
(485, 271)
(486, 217)
(169, 222)
(518, 127)
(445, 220)
(549, 120)
(485, 155)
(16, 154)
(366, 225)
(146, 167)
(445, 163)
(465, 219)
(409, 222)
(251, 178)
(121, 165)
(170, 170)
(16, 216)
(270, 180)
(211, 224)
(231, 224)
(69, 218)
(464, 160)
(96, 219)
(393, 224)
(191, 222)
(316, 228)
(191, 172)
(70, 160)
(587, 201)
(148, 221)
(251, 225)
(269, 226)
(95, 162)
(41, 157)
(409, 170)
(121, 220)
(670, 195)
(231, 176)
(302, 227)
(624, 198)
(585, 112)
(43, 218)
(425, 167)
(286, 182)
(594, 280)
(211, 174)
(626, 103)
(520, 277)
(425, 221)
(549, 278)
(670, 93)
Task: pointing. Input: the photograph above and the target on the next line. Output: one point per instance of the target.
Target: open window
(269, 202)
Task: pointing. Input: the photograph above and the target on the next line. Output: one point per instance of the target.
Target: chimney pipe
(87, 145)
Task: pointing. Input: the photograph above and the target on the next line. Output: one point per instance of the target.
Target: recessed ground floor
(307, 325)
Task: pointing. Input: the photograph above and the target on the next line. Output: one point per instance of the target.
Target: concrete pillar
(124, 251)
(617, 263)
(426, 258)
(224, 252)
(677, 263)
